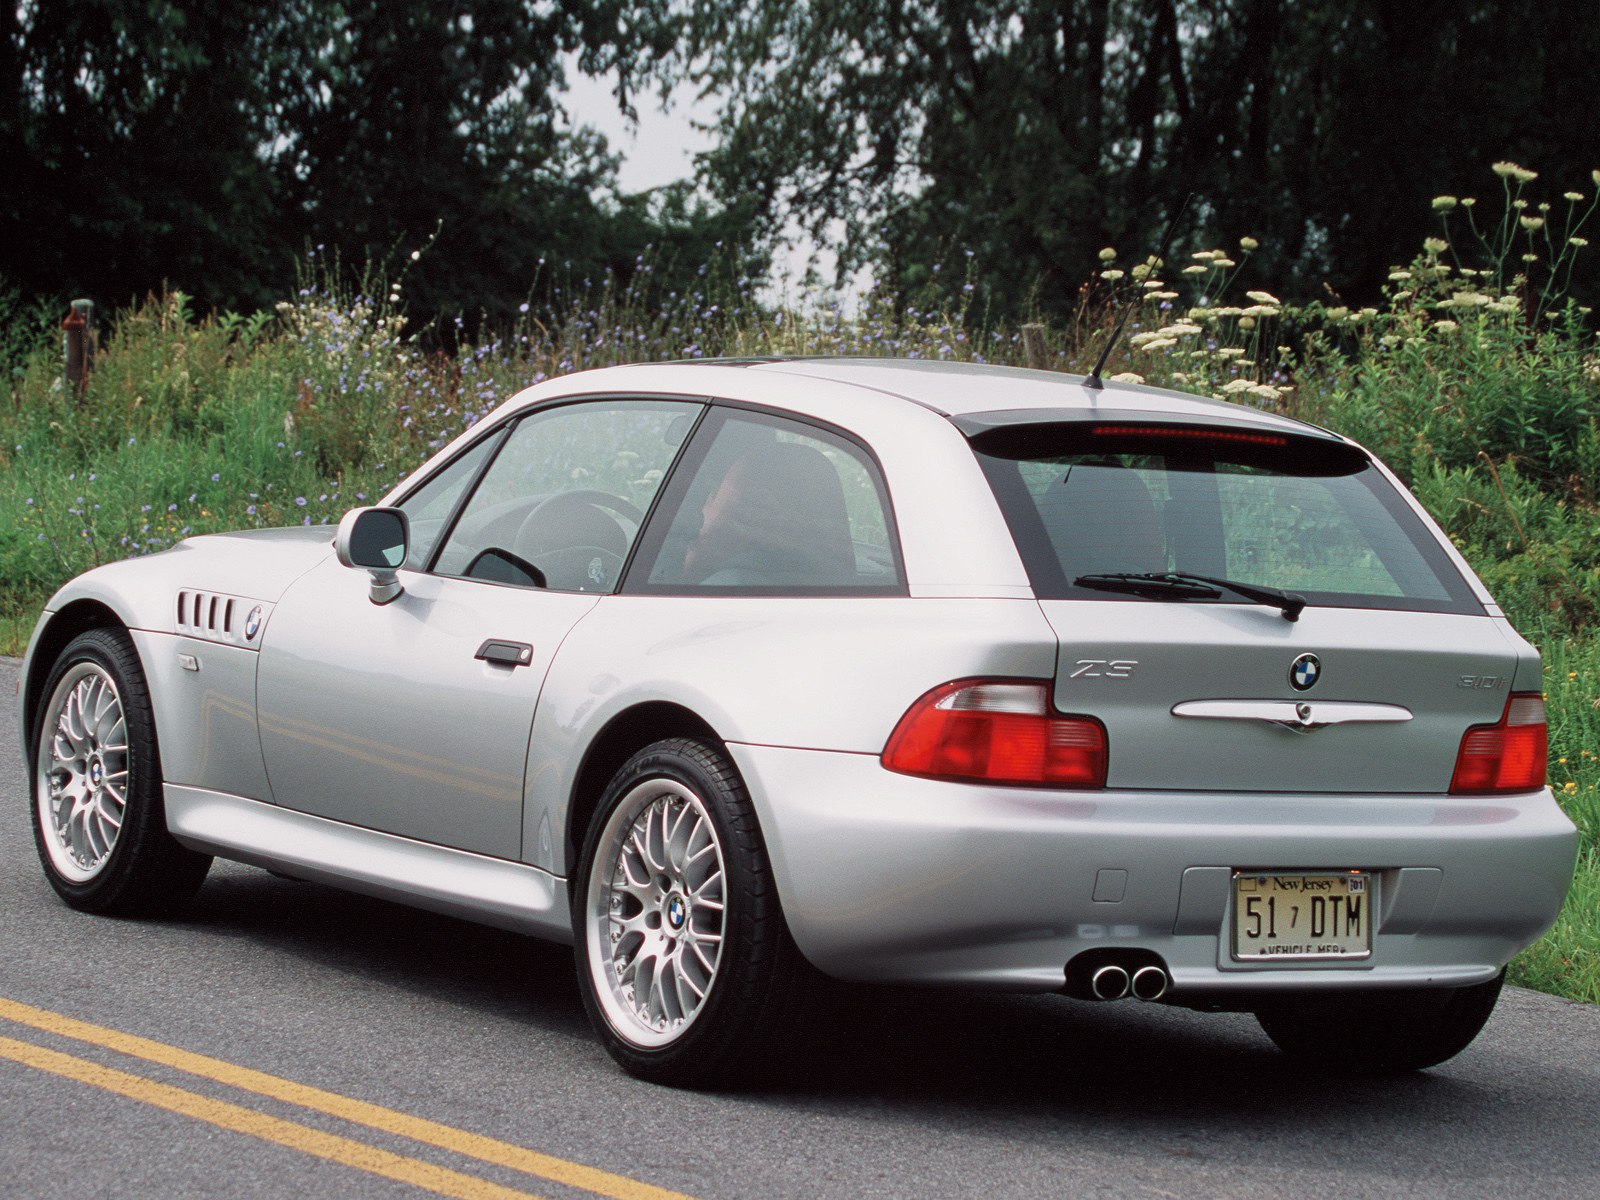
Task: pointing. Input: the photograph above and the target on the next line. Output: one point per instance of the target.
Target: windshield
(1284, 513)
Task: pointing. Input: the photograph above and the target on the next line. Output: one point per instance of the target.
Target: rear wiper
(1180, 585)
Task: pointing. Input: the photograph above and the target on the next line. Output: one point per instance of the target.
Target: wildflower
(1247, 244)
(1247, 322)
(1107, 254)
(1111, 275)
(1196, 269)
(1519, 204)
(1468, 202)
(1435, 245)
(1160, 343)
(300, 500)
(1444, 326)
(1532, 222)
(1467, 300)
(1223, 262)
(172, 508)
(1263, 297)
(1336, 313)
(1390, 339)
(1444, 203)
(1127, 377)
(192, 495)
(1577, 241)
(1397, 276)
(1183, 329)
(416, 254)
(1260, 310)
(1234, 386)
(1530, 258)
(1523, 175)
(251, 511)
(1595, 175)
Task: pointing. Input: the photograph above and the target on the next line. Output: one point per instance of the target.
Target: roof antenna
(1093, 379)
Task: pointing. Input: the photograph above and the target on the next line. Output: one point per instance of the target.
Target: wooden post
(1034, 350)
(78, 335)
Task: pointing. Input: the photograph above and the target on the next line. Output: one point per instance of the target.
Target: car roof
(980, 395)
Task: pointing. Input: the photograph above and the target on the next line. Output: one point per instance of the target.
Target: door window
(564, 499)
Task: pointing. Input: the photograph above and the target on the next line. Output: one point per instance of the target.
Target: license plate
(1320, 915)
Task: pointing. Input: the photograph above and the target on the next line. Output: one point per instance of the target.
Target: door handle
(505, 654)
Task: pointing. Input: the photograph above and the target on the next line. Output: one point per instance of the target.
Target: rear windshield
(1292, 513)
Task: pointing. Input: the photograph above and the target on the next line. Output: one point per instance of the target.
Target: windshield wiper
(1180, 585)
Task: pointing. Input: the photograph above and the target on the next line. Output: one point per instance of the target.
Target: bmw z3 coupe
(740, 675)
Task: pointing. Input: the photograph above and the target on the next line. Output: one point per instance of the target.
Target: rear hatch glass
(1307, 515)
(1394, 628)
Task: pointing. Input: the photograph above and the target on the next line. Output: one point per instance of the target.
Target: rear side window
(765, 506)
(1292, 513)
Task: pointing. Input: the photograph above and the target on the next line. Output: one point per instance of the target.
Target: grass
(1477, 387)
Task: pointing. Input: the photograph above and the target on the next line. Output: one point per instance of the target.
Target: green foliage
(1034, 133)
(158, 146)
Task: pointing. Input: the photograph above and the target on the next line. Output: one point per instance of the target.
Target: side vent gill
(215, 617)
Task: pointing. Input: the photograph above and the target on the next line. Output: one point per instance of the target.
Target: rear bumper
(891, 878)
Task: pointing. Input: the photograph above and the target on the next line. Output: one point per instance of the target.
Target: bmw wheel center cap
(1304, 672)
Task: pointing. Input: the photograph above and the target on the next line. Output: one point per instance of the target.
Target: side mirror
(377, 539)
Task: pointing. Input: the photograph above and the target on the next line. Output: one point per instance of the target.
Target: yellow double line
(301, 1137)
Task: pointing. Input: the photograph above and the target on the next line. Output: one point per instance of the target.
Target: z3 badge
(1100, 668)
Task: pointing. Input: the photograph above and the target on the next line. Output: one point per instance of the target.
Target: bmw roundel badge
(252, 624)
(1304, 672)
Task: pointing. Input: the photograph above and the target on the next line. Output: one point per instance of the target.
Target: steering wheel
(564, 535)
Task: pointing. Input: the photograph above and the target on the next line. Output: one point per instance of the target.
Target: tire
(99, 823)
(1386, 1034)
(674, 897)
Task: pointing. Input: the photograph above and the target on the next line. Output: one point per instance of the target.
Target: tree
(207, 145)
(1032, 134)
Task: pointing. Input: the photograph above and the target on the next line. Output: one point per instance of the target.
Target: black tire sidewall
(1388, 1034)
(723, 1031)
(146, 870)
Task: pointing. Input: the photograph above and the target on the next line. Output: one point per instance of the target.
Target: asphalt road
(482, 1033)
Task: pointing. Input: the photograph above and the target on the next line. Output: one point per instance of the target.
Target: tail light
(998, 731)
(1509, 756)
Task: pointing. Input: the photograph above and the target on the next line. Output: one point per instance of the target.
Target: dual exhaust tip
(1114, 981)
(1115, 972)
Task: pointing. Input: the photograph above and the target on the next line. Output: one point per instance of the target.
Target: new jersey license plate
(1316, 915)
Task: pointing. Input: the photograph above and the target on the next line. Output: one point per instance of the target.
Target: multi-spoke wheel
(99, 823)
(83, 771)
(687, 969)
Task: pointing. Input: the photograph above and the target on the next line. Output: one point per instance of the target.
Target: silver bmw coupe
(741, 675)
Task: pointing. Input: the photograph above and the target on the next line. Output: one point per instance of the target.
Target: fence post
(1033, 347)
(78, 335)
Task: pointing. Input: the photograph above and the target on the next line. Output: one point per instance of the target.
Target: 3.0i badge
(1304, 672)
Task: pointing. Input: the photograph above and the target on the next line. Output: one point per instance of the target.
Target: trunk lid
(1131, 662)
